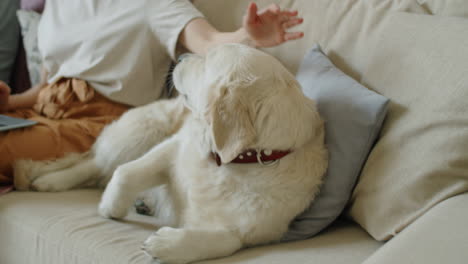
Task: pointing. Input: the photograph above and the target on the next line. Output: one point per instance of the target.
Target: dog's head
(247, 99)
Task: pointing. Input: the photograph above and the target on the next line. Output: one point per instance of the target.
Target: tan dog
(233, 171)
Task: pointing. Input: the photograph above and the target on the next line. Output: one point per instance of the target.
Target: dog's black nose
(182, 56)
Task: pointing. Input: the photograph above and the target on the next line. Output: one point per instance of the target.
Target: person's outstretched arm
(23, 100)
(265, 28)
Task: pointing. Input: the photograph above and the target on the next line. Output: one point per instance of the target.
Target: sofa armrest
(439, 236)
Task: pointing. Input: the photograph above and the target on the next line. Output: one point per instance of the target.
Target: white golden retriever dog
(237, 156)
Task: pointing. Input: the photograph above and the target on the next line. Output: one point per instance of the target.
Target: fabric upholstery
(446, 7)
(421, 159)
(57, 228)
(345, 29)
(353, 116)
(439, 236)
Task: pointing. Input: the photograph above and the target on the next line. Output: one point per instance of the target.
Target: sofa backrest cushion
(421, 63)
(353, 117)
(345, 29)
(446, 7)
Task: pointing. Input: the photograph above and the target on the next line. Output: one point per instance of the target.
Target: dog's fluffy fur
(233, 99)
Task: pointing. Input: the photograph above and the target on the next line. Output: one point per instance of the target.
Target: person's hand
(269, 26)
(4, 95)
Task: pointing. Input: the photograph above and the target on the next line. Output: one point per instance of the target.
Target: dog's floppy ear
(231, 124)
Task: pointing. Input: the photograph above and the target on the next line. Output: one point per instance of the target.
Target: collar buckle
(265, 163)
(263, 157)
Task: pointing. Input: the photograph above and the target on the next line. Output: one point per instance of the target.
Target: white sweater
(122, 48)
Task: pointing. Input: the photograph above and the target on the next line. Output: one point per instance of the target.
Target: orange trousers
(70, 115)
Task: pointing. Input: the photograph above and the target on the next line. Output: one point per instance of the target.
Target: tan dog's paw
(47, 184)
(24, 174)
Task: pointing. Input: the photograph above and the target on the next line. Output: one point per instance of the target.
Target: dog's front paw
(112, 209)
(167, 246)
(117, 197)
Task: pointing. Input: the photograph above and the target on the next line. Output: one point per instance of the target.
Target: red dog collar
(264, 157)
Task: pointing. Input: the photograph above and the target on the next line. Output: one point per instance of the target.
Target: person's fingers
(4, 88)
(272, 9)
(251, 15)
(293, 35)
(287, 15)
(292, 22)
(289, 12)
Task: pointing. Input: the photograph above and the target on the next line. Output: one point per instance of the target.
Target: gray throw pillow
(353, 117)
(9, 37)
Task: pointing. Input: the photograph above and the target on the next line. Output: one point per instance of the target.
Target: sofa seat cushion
(64, 227)
(439, 236)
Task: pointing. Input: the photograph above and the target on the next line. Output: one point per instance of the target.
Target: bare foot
(4, 95)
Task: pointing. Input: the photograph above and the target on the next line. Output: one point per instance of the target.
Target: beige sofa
(411, 202)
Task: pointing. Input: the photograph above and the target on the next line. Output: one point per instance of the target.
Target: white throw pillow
(29, 21)
(421, 64)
